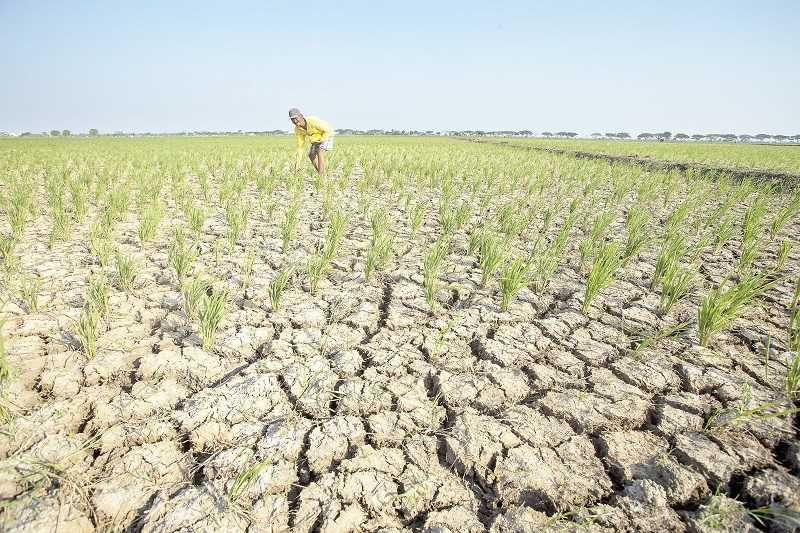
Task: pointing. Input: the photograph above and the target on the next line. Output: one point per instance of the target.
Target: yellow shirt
(316, 130)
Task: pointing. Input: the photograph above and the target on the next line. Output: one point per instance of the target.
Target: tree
(93, 131)
(763, 136)
(66, 133)
(611, 135)
(643, 136)
(623, 135)
(55, 133)
(547, 134)
(698, 137)
(597, 134)
(681, 136)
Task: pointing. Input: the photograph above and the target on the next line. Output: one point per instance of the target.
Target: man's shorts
(326, 145)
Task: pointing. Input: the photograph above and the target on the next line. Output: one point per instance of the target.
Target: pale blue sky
(697, 67)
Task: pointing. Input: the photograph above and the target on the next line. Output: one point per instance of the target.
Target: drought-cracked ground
(357, 408)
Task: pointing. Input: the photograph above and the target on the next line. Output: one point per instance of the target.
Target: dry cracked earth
(356, 409)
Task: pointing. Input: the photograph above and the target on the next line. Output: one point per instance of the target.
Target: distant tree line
(348, 131)
(94, 132)
(645, 136)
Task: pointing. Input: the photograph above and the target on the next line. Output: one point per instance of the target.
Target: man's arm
(301, 143)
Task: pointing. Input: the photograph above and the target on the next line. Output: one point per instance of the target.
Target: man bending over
(315, 131)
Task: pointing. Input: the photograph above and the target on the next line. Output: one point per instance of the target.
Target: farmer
(316, 131)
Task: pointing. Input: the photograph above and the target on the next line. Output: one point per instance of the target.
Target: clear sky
(690, 66)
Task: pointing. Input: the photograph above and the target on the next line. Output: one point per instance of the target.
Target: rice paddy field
(774, 157)
(438, 335)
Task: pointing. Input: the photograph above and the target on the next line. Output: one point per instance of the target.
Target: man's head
(296, 117)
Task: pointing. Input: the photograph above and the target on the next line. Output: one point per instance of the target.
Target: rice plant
(246, 478)
(514, 276)
(289, 223)
(604, 268)
(333, 237)
(672, 251)
(783, 255)
(678, 284)
(216, 250)
(316, 268)
(248, 264)
(750, 251)
(87, 330)
(211, 314)
(793, 374)
(20, 202)
(7, 245)
(205, 186)
(752, 220)
(277, 286)
(796, 294)
(694, 251)
(463, 214)
(672, 184)
(723, 232)
(100, 244)
(318, 183)
(379, 253)
(743, 413)
(431, 267)
(97, 295)
(236, 216)
(636, 224)
(150, 219)
(782, 518)
(721, 306)
(474, 241)
(509, 218)
(5, 368)
(794, 331)
(5, 376)
(449, 221)
(650, 340)
(379, 221)
(492, 252)
(79, 192)
(328, 202)
(61, 226)
(30, 289)
(545, 262)
(127, 271)
(547, 217)
(784, 215)
(197, 219)
(676, 220)
(181, 254)
(599, 225)
(194, 292)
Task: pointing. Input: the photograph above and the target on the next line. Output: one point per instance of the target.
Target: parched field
(781, 158)
(439, 336)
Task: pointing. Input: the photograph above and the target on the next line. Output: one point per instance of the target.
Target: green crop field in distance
(784, 158)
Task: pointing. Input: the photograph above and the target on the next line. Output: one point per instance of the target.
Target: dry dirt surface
(358, 406)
